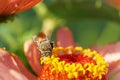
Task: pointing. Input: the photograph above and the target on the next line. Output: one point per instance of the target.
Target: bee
(44, 45)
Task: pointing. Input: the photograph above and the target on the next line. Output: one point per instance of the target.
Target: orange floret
(73, 64)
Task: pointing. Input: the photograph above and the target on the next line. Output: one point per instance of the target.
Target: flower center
(73, 63)
(76, 58)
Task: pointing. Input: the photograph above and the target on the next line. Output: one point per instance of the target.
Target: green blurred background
(91, 21)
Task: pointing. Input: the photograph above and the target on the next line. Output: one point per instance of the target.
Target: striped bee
(45, 46)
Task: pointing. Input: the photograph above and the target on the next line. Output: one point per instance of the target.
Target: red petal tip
(64, 37)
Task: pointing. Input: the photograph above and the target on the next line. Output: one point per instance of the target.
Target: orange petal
(26, 4)
(8, 7)
(33, 56)
(64, 37)
(3, 5)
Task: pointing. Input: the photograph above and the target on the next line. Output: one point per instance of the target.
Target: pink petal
(7, 73)
(23, 69)
(111, 54)
(113, 68)
(96, 47)
(33, 56)
(116, 77)
(11, 69)
(64, 37)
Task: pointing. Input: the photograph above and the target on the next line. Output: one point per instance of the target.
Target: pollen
(73, 63)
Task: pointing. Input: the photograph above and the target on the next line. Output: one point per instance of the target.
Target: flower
(78, 63)
(8, 7)
(68, 61)
(114, 3)
(11, 67)
(73, 63)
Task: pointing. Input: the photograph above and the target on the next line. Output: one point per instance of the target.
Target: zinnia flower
(8, 7)
(67, 62)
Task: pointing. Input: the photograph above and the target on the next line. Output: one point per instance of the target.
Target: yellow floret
(75, 69)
